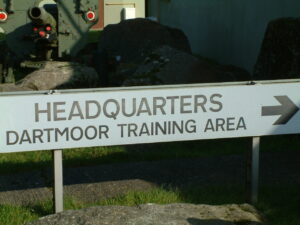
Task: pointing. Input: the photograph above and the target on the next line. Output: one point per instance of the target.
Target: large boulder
(133, 39)
(144, 52)
(279, 56)
(12, 88)
(60, 75)
(152, 214)
(56, 75)
(167, 65)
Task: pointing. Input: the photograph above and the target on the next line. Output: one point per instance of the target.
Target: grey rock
(279, 57)
(133, 39)
(12, 88)
(60, 75)
(153, 214)
(56, 75)
(167, 65)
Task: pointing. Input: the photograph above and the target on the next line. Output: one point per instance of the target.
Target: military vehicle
(35, 31)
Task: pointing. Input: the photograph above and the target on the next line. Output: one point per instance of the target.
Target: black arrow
(287, 110)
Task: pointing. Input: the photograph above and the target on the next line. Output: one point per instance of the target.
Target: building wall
(229, 31)
(114, 10)
(111, 11)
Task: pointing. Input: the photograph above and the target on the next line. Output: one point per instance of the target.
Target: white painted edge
(153, 87)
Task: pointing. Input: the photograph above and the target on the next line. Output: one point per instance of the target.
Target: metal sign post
(58, 181)
(255, 169)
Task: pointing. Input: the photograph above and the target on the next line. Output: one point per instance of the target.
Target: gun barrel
(40, 16)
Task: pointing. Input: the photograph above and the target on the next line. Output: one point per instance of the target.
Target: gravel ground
(99, 182)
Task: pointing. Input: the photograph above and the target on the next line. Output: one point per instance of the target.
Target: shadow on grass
(28, 161)
(213, 194)
(194, 221)
(41, 208)
(171, 163)
(279, 204)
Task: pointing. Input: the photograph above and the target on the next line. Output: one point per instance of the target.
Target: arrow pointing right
(286, 110)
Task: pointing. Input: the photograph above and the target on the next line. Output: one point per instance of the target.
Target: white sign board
(103, 117)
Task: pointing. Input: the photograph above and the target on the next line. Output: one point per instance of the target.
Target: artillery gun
(33, 32)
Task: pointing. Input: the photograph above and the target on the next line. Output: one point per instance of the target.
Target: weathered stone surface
(134, 39)
(56, 75)
(12, 88)
(167, 65)
(60, 75)
(279, 56)
(152, 214)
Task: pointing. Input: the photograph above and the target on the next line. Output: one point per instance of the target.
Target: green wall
(229, 31)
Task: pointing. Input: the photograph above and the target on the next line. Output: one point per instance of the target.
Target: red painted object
(3, 16)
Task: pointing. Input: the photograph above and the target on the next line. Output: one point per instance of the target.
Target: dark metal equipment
(35, 31)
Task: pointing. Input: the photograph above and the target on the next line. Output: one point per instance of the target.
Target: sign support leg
(253, 171)
(58, 182)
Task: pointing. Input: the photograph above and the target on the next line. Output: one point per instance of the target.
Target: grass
(15, 215)
(26, 161)
(279, 205)
(163, 195)
(157, 196)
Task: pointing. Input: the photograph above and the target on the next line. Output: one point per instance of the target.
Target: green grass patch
(213, 195)
(160, 195)
(157, 196)
(278, 204)
(150, 152)
(26, 161)
(14, 215)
